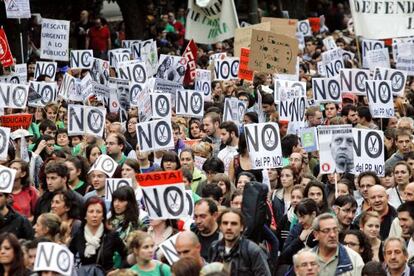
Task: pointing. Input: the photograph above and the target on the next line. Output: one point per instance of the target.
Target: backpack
(255, 210)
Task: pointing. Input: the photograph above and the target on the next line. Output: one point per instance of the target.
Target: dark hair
(212, 206)
(187, 266)
(120, 138)
(213, 164)
(368, 173)
(230, 127)
(242, 146)
(234, 211)
(373, 268)
(214, 116)
(213, 191)
(363, 112)
(172, 157)
(288, 142)
(175, 126)
(344, 200)
(17, 266)
(407, 206)
(89, 149)
(306, 207)
(345, 110)
(364, 243)
(91, 201)
(131, 214)
(57, 167)
(133, 164)
(193, 121)
(45, 124)
(80, 164)
(24, 167)
(69, 199)
(190, 151)
(314, 183)
(248, 174)
(252, 116)
(268, 99)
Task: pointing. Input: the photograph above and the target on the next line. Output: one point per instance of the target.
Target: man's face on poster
(341, 150)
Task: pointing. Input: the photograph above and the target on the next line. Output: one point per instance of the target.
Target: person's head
(51, 111)
(170, 161)
(92, 152)
(296, 195)
(345, 209)
(268, 104)
(48, 127)
(115, 145)
(378, 199)
(349, 112)
(402, 173)
(202, 149)
(310, 45)
(223, 181)
(188, 245)
(142, 245)
(406, 217)
(287, 178)
(47, 225)
(94, 212)
(250, 118)
(409, 157)
(296, 162)
(195, 128)
(11, 254)
(331, 110)
(176, 132)
(63, 205)
(306, 211)
(231, 223)
(211, 190)
(237, 199)
(364, 115)
(22, 171)
(62, 138)
(403, 140)
(406, 122)
(213, 166)
(243, 178)
(97, 179)
(366, 180)
(290, 143)
(306, 263)
(187, 159)
(205, 215)
(326, 229)
(75, 140)
(388, 180)
(211, 123)
(395, 254)
(124, 203)
(409, 192)
(341, 150)
(57, 175)
(315, 190)
(313, 116)
(370, 223)
(186, 266)
(229, 133)
(357, 241)
(77, 169)
(130, 168)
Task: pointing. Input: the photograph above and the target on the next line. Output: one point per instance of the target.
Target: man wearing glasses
(333, 257)
(306, 263)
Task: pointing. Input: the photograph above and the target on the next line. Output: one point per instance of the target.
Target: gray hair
(399, 239)
(407, 119)
(302, 251)
(324, 216)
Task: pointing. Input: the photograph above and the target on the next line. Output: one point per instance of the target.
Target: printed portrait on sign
(341, 150)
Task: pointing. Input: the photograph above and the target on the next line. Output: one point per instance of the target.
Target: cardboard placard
(112, 184)
(234, 110)
(203, 83)
(190, 103)
(368, 151)
(55, 39)
(244, 72)
(54, 257)
(45, 68)
(4, 142)
(243, 36)
(226, 69)
(86, 120)
(104, 164)
(155, 135)
(81, 59)
(13, 95)
(380, 100)
(172, 68)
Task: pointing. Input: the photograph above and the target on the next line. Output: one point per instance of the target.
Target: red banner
(6, 57)
(16, 121)
(191, 54)
(244, 72)
(315, 23)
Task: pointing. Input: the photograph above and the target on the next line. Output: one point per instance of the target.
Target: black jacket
(17, 224)
(386, 222)
(111, 243)
(246, 258)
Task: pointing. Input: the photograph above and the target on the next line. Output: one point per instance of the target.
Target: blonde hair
(136, 239)
(366, 215)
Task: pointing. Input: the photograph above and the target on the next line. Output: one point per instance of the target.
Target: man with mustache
(396, 257)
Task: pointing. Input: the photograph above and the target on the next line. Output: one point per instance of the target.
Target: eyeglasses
(328, 230)
(305, 265)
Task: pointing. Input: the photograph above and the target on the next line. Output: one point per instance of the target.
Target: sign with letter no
(104, 164)
(112, 184)
(155, 135)
(190, 103)
(227, 69)
(203, 83)
(380, 100)
(263, 145)
(86, 119)
(54, 257)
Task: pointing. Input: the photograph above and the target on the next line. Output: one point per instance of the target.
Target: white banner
(55, 39)
(211, 21)
(368, 151)
(17, 8)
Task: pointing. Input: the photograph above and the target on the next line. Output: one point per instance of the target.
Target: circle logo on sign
(304, 28)
(162, 105)
(162, 133)
(397, 81)
(63, 260)
(384, 92)
(326, 167)
(196, 103)
(5, 180)
(107, 165)
(3, 140)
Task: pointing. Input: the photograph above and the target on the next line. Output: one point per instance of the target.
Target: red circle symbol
(325, 167)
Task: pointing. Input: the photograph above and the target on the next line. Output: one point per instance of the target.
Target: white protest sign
(47, 91)
(203, 83)
(227, 69)
(378, 58)
(55, 39)
(164, 194)
(329, 43)
(155, 135)
(398, 79)
(167, 248)
(347, 55)
(81, 59)
(118, 55)
(382, 19)
(332, 68)
(353, 80)
(326, 90)
(292, 110)
(368, 45)
(4, 142)
(335, 148)
(112, 184)
(166, 86)
(217, 56)
(368, 151)
(13, 95)
(100, 71)
(17, 8)
(190, 103)
(102, 93)
(149, 55)
(128, 43)
(172, 68)
(86, 85)
(45, 68)
(86, 120)
(286, 89)
(161, 106)
(54, 257)
(134, 72)
(143, 102)
(380, 100)
(7, 177)
(263, 145)
(18, 75)
(136, 46)
(134, 91)
(234, 110)
(304, 28)
(332, 55)
(67, 87)
(104, 164)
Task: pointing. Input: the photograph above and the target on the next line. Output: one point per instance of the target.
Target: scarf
(92, 241)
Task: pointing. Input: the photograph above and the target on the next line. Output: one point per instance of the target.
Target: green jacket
(198, 177)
